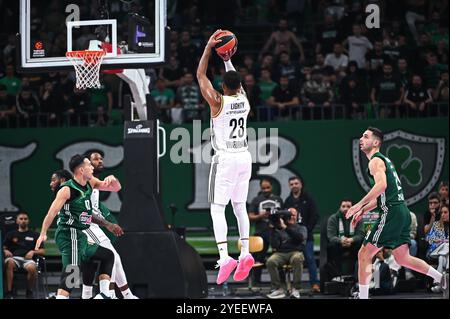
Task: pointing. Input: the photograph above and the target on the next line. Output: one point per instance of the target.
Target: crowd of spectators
(320, 62)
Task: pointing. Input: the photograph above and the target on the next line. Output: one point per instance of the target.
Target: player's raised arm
(109, 184)
(211, 96)
(61, 197)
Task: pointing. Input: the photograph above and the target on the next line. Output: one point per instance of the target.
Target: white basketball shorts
(229, 177)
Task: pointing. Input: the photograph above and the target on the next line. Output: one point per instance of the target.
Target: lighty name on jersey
(237, 144)
(236, 106)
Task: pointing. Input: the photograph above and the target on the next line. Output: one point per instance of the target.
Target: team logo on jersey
(418, 160)
(85, 218)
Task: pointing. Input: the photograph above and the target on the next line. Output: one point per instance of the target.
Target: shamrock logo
(408, 167)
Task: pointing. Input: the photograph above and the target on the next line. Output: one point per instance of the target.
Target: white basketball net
(87, 67)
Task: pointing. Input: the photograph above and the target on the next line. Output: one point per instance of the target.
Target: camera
(276, 214)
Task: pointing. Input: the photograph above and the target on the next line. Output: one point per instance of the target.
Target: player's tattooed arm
(113, 228)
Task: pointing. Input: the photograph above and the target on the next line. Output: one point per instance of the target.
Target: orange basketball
(228, 42)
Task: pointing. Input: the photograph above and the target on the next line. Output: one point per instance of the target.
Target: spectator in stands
(432, 213)
(353, 96)
(250, 64)
(188, 98)
(101, 103)
(413, 246)
(418, 98)
(288, 69)
(28, 107)
(77, 107)
(282, 39)
(51, 104)
(438, 241)
(165, 100)
(187, 53)
(442, 52)
(432, 72)
(259, 212)
(287, 238)
(320, 64)
(283, 99)
(253, 95)
(267, 63)
(10, 81)
(404, 72)
(328, 35)
(375, 60)
(172, 73)
(391, 46)
(441, 93)
(266, 84)
(443, 192)
(358, 45)
(7, 107)
(307, 211)
(387, 93)
(337, 59)
(416, 10)
(315, 92)
(344, 241)
(18, 248)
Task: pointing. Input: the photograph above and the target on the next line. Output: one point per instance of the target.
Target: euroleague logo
(39, 45)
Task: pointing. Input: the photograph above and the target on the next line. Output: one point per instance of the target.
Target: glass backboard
(49, 28)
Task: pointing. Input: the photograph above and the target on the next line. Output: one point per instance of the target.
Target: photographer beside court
(288, 239)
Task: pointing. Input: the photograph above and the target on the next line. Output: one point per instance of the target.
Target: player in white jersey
(231, 166)
(96, 235)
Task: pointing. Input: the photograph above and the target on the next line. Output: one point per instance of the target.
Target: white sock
(112, 293)
(436, 275)
(240, 211)
(220, 229)
(104, 286)
(223, 250)
(62, 297)
(229, 66)
(363, 291)
(86, 292)
(127, 294)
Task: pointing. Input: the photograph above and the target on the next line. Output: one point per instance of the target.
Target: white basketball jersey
(94, 233)
(229, 127)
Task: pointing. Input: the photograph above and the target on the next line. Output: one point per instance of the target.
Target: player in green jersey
(74, 209)
(391, 230)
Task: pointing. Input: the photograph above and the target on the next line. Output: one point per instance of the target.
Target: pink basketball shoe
(243, 268)
(226, 268)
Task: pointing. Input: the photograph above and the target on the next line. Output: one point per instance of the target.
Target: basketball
(228, 42)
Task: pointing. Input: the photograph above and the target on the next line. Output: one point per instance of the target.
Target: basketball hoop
(87, 67)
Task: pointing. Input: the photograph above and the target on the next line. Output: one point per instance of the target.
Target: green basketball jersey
(393, 195)
(76, 213)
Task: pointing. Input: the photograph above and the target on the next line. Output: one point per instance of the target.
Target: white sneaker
(102, 296)
(295, 293)
(277, 294)
(338, 279)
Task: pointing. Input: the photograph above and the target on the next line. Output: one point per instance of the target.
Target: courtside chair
(256, 244)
